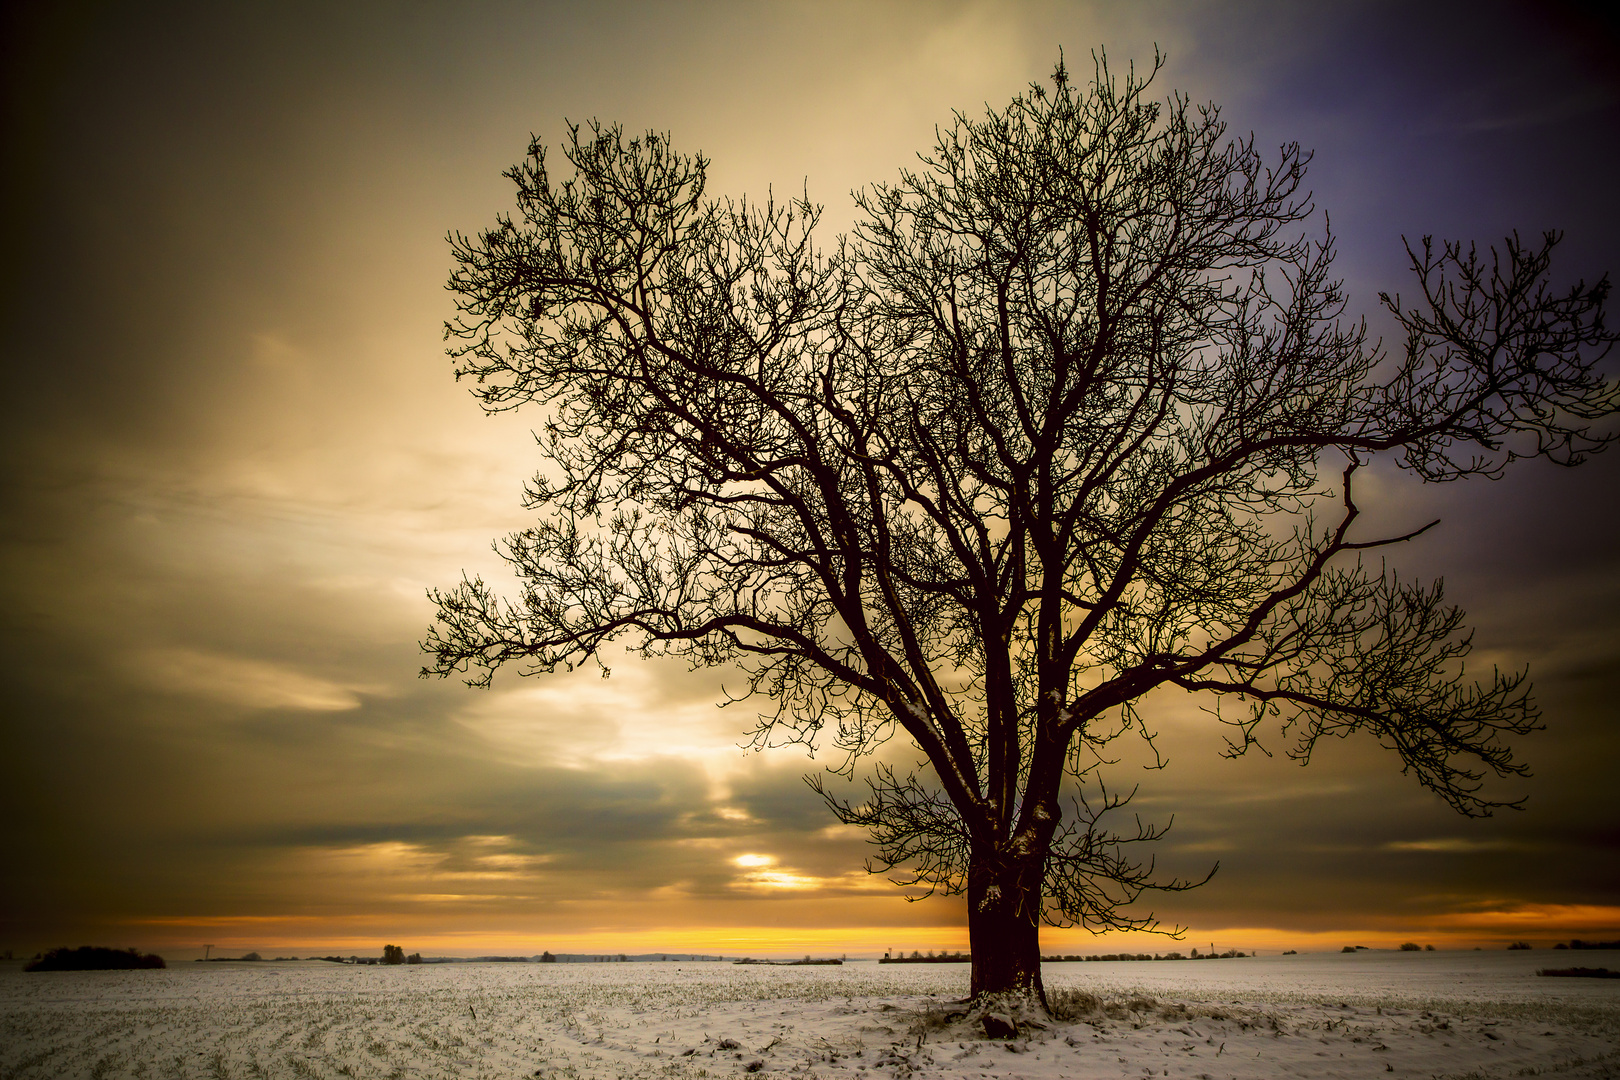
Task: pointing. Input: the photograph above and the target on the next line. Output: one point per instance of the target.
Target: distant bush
(1581, 973)
(1428, 948)
(94, 958)
(414, 958)
(1411, 946)
(1348, 948)
(1519, 945)
(253, 956)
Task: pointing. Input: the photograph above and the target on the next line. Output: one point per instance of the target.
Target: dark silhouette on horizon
(94, 958)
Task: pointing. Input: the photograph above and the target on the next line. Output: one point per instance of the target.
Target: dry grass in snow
(1240, 1019)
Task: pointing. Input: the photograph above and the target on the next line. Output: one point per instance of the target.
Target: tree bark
(1004, 907)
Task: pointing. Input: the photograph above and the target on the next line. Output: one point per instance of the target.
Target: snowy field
(1475, 1015)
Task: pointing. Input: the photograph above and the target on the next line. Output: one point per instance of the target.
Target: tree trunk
(1004, 907)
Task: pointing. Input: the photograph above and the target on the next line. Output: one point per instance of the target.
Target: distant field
(1424, 1014)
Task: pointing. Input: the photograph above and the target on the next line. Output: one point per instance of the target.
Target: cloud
(646, 710)
(1452, 845)
(764, 873)
(245, 682)
(1543, 919)
(760, 872)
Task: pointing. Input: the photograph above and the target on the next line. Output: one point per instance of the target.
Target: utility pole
(207, 951)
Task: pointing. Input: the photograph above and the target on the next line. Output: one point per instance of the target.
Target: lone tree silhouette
(1072, 414)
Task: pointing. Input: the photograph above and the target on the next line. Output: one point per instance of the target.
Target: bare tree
(1072, 415)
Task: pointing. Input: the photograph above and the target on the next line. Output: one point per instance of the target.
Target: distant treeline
(963, 958)
(1579, 944)
(93, 958)
(610, 958)
(576, 958)
(393, 954)
(255, 958)
(806, 962)
(1230, 954)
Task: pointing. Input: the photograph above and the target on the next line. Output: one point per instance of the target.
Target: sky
(235, 460)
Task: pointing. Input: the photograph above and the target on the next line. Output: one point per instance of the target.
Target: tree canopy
(1074, 413)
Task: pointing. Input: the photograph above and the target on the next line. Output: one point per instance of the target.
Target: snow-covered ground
(1476, 1015)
